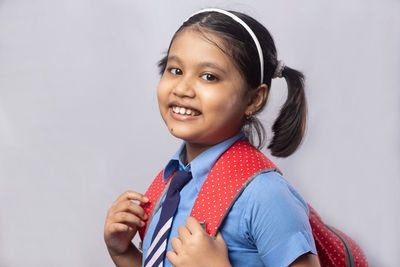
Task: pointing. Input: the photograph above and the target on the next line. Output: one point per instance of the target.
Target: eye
(175, 71)
(209, 77)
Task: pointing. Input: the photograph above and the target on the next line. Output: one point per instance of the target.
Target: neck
(193, 150)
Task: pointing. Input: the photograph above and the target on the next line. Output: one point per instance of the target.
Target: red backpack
(334, 247)
(230, 175)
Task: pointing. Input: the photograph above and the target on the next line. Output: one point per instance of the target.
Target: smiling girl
(215, 79)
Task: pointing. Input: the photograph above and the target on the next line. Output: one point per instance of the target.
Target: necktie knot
(179, 180)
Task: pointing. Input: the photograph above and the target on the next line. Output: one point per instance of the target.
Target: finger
(183, 233)
(132, 195)
(219, 239)
(193, 225)
(130, 207)
(120, 228)
(127, 218)
(172, 257)
(176, 244)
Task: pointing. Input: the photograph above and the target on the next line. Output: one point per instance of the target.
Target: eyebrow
(201, 64)
(174, 58)
(213, 66)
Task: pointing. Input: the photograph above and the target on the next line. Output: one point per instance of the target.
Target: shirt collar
(174, 163)
(202, 164)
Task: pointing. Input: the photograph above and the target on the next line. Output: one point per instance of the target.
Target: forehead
(201, 45)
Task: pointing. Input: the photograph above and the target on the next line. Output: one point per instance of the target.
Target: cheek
(224, 104)
(164, 89)
(161, 94)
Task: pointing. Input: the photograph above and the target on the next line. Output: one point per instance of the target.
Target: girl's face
(201, 95)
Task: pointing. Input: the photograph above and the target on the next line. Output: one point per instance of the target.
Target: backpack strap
(155, 193)
(233, 171)
(228, 178)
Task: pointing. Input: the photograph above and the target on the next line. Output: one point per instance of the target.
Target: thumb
(219, 239)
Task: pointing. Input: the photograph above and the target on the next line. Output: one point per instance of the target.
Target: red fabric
(153, 194)
(230, 172)
(331, 250)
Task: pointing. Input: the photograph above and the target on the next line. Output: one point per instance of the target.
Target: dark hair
(289, 127)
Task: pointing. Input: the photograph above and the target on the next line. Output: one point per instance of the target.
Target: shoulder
(271, 189)
(271, 204)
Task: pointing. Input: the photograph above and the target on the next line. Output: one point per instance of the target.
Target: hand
(122, 222)
(195, 248)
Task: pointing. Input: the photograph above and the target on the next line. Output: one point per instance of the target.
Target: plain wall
(79, 121)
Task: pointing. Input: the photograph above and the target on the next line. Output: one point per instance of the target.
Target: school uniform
(267, 226)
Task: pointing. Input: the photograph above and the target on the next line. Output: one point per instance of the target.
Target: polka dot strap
(226, 181)
(153, 193)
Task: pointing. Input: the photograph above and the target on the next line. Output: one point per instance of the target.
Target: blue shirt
(268, 224)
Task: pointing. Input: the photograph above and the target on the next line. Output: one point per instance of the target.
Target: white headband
(241, 22)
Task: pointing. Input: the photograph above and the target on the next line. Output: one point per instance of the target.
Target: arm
(194, 247)
(122, 222)
(306, 260)
(132, 257)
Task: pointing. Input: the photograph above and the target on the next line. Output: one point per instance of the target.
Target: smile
(185, 111)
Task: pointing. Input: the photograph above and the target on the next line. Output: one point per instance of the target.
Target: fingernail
(145, 198)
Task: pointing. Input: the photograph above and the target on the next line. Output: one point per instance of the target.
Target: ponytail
(290, 125)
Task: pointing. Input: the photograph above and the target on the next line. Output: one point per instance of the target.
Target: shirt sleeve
(277, 220)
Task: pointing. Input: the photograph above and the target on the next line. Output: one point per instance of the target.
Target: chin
(188, 137)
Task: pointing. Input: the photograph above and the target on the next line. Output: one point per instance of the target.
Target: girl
(215, 79)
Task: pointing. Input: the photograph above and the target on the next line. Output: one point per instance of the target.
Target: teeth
(183, 111)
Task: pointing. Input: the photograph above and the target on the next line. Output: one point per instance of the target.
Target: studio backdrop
(79, 120)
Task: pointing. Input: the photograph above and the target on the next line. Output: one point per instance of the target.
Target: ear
(257, 98)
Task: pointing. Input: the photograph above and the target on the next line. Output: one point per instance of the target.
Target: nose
(184, 88)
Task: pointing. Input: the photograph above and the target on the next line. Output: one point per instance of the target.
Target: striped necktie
(156, 253)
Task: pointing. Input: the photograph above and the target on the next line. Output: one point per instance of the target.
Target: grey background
(79, 122)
